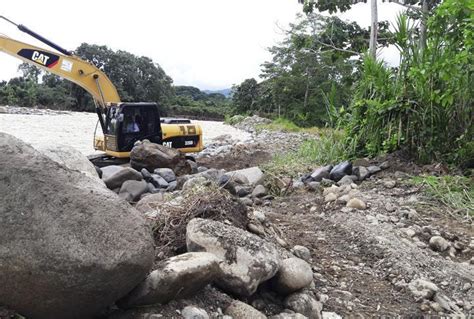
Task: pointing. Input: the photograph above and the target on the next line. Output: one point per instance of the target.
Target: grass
(455, 192)
(284, 125)
(327, 148)
(233, 120)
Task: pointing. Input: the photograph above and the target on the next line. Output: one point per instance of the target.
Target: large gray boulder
(294, 274)
(247, 259)
(174, 278)
(152, 156)
(71, 158)
(69, 247)
(253, 175)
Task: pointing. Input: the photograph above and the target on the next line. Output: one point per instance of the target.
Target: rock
(331, 197)
(121, 176)
(438, 243)
(71, 158)
(64, 237)
(239, 310)
(158, 181)
(246, 201)
(195, 182)
(340, 170)
(152, 156)
(390, 183)
(330, 315)
(191, 312)
(347, 180)
(3, 109)
(422, 289)
(385, 165)
(202, 169)
(177, 277)
(361, 172)
(259, 191)
(304, 304)
(356, 203)
(314, 186)
(132, 190)
(286, 315)
(238, 177)
(343, 199)
(327, 182)
(172, 186)
(167, 174)
(248, 259)
(242, 191)
(361, 162)
(320, 173)
(110, 170)
(259, 215)
(150, 202)
(373, 169)
(146, 175)
(254, 175)
(194, 166)
(302, 252)
(294, 274)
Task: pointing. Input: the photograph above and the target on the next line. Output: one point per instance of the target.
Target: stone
(325, 182)
(331, 197)
(3, 109)
(330, 315)
(343, 199)
(191, 312)
(315, 186)
(239, 310)
(320, 173)
(294, 274)
(238, 177)
(71, 158)
(152, 156)
(341, 170)
(422, 289)
(361, 162)
(121, 176)
(193, 165)
(202, 169)
(195, 182)
(172, 186)
(373, 169)
(286, 315)
(259, 215)
(167, 174)
(177, 277)
(390, 183)
(242, 191)
(150, 202)
(254, 175)
(246, 201)
(347, 180)
(158, 181)
(65, 237)
(146, 175)
(302, 252)
(248, 260)
(361, 172)
(304, 304)
(132, 190)
(259, 191)
(385, 165)
(356, 203)
(438, 243)
(110, 170)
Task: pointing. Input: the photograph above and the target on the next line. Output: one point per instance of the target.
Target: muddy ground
(364, 259)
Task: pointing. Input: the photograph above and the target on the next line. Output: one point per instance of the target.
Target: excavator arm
(72, 68)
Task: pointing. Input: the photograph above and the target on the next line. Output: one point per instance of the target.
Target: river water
(76, 129)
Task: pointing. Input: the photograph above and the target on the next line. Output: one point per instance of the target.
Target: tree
(245, 95)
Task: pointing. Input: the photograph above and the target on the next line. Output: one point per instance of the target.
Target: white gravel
(77, 129)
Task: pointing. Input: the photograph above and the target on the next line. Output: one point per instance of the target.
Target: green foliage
(426, 104)
(280, 124)
(456, 192)
(327, 147)
(233, 120)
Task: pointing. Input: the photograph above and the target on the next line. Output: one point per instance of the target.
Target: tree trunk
(306, 93)
(373, 29)
(424, 18)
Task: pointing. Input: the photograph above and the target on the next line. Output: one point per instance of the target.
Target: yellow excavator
(122, 123)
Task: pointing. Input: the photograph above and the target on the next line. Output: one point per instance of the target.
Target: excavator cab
(126, 123)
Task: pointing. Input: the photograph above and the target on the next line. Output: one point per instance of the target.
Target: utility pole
(373, 29)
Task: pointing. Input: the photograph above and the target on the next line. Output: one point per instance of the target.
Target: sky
(210, 44)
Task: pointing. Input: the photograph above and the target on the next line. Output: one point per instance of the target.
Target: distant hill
(225, 92)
